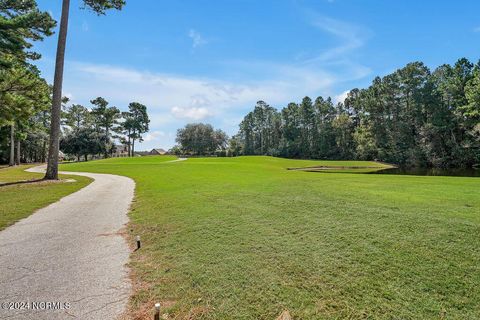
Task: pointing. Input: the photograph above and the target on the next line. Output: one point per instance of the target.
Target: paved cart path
(70, 254)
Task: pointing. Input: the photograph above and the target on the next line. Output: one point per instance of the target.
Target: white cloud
(477, 29)
(175, 99)
(341, 97)
(153, 136)
(192, 113)
(197, 39)
(162, 92)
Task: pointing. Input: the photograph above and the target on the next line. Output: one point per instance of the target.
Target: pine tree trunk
(107, 143)
(12, 145)
(18, 152)
(133, 147)
(44, 141)
(44, 151)
(52, 167)
(129, 145)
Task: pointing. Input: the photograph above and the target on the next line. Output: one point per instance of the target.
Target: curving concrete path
(70, 254)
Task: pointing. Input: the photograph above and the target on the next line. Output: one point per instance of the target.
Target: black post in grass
(157, 311)
(139, 245)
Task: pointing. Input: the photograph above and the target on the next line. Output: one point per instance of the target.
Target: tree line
(92, 132)
(412, 117)
(31, 110)
(24, 94)
(34, 118)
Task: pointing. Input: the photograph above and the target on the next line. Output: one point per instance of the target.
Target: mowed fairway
(244, 238)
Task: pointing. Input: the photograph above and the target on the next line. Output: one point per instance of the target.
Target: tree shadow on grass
(6, 184)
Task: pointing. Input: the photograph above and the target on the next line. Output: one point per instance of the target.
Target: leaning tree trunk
(18, 152)
(52, 167)
(12, 145)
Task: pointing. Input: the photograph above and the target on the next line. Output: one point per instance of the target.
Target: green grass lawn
(244, 238)
(20, 200)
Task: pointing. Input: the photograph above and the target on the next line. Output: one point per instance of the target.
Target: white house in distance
(157, 152)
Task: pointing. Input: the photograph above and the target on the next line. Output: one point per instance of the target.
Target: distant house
(157, 152)
(120, 150)
(142, 153)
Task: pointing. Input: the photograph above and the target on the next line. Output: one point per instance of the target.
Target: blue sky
(211, 60)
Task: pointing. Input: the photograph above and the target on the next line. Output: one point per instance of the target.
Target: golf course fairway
(245, 238)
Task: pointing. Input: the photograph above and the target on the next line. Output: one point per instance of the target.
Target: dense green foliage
(200, 139)
(84, 142)
(105, 119)
(243, 238)
(20, 23)
(89, 132)
(24, 100)
(411, 117)
(136, 123)
(22, 199)
(24, 95)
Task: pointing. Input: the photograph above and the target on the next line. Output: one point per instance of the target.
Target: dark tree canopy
(84, 141)
(201, 139)
(106, 119)
(89, 133)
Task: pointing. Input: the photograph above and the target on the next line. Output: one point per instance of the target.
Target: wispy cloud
(192, 113)
(197, 38)
(169, 92)
(85, 26)
(174, 99)
(350, 37)
(477, 29)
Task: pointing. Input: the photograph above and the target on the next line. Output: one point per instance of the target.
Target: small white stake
(157, 311)
(138, 242)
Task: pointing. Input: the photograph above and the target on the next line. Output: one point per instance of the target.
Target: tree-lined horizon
(412, 117)
(92, 132)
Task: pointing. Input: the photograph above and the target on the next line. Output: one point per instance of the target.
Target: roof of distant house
(159, 150)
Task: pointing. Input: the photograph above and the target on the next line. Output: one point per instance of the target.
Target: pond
(430, 172)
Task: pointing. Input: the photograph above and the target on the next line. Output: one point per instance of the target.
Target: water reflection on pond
(429, 172)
